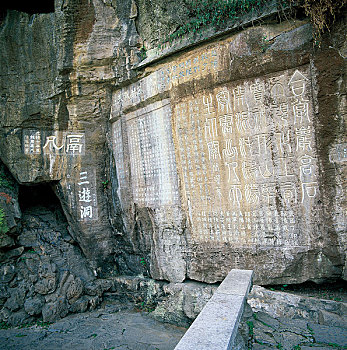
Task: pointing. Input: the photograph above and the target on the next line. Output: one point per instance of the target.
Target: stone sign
(82, 195)
(41, 141)
(152, 157)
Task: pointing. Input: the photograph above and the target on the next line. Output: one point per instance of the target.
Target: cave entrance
(41, 195)
(41, 201)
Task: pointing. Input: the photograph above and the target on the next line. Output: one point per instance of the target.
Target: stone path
(288, 334)
(109, 328)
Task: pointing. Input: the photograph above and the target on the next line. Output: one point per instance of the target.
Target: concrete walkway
(109, 328)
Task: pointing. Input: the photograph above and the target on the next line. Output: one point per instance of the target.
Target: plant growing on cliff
(265, 43)
(4, 325)
(323, 14)
(4, 182)
(217, 12)
(143, 53)
(250, 325)
(3, 222)
(204, 13)
(143, 262)
(105, 184)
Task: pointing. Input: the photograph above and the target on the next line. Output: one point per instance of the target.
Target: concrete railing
(216, 326)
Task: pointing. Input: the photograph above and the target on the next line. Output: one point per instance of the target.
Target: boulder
(98, 287)
(6, 240)
(53, 311)
(46, 285)
(33, 306)
(183, 302)
(16, 299)
(74, 290)
(80, 305)
(19, 318)
(7, 273)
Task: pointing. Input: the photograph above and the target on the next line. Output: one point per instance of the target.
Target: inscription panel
(247, 160)
(152, 157)
(59, 143)
(194, 66)
(82, 194)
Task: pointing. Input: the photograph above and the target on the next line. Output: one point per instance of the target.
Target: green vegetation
(148, 306)
(105, 184)
(250, 325)
(216, 13)
(38, 323)
(284, 286)
(310, 329)
(336, 346)
(265, 43)
(3, 222)
(323, 14)
(4, 325)
(255, 316)
(4, 180)
(143, 262)
(143, 53)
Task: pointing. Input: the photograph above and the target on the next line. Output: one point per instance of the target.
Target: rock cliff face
(229, 152)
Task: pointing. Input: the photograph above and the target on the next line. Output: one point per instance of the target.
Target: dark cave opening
(38, 195)
(40, 201)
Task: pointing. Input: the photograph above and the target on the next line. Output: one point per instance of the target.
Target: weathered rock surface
(291, 306)
(287, 321)
(183, 302)
(45, 274)
(225, 144)
(113, 326)
(227, 154)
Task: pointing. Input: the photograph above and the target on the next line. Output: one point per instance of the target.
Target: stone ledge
(217, 324)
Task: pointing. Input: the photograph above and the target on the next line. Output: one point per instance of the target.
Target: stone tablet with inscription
(231, 166)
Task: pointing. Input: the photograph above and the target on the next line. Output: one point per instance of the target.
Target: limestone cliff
(225, 150)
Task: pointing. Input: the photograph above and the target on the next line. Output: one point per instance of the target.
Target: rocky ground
(118, 325)
(114, 326)
(295, 320)
(329, 291)
(267, 332)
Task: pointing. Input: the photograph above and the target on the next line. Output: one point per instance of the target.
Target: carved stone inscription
(41, 141)
(152, 157)
(195, 65)
(192, 67)
(247, 160)
(82, 194)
